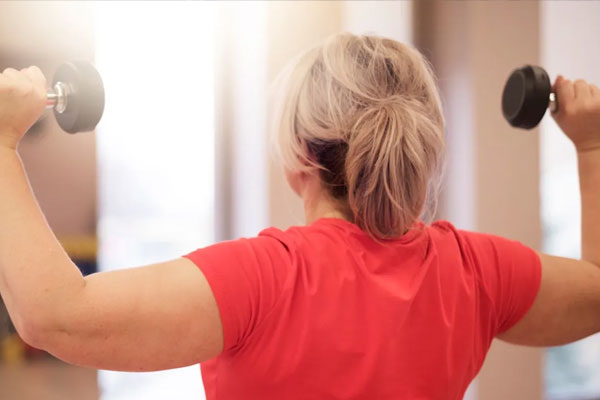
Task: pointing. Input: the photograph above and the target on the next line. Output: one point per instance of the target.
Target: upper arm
(508, 276)
(566, 308)
(172, 314)
(534, 299)
(247, 277)
(155, 317)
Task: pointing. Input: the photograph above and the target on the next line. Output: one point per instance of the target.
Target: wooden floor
(47, 379)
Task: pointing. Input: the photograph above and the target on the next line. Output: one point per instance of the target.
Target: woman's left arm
(150, 318)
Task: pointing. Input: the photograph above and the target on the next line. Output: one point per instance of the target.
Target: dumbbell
(526, 96)
(76, 96)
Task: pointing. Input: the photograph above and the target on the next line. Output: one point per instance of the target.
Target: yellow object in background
(12, 349)
(83, 251)
(82, 248)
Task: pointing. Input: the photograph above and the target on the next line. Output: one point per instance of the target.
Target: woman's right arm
(567, 306)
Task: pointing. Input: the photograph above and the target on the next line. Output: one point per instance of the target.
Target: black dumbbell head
(526, 96)
(85, 102)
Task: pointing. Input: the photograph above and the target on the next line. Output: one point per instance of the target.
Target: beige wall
(61, 167)
(391, 19)
(62, 172)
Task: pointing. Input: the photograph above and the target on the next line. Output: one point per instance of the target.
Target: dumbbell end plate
(526, 96)
(85, 103)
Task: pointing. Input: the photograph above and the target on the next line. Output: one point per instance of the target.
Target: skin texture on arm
(142, 319)
(150, 318)
(567, 307)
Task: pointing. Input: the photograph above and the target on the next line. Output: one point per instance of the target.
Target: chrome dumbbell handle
(553, 103)
(57, 97)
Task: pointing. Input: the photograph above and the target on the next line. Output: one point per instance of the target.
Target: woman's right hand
(578, 112)
(22, 102)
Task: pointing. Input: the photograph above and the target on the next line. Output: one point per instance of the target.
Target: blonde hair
(366, 112)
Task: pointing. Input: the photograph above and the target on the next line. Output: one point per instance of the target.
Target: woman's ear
(296, 180)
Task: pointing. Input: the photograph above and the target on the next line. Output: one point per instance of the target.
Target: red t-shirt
(325, 312)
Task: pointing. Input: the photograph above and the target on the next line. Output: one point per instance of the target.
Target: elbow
(44, 323)
(46, 332)
(34, 330)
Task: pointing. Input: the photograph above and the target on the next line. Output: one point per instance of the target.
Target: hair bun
(365, 111)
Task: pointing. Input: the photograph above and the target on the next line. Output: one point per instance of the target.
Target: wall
(241, 112)
(61, 167)
(392, 19)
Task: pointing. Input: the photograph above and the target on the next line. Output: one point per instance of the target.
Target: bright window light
(155, 152)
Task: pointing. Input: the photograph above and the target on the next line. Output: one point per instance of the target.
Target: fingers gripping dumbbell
(77, 97)
(526, 96)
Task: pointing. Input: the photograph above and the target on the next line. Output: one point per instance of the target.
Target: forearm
(589, 182)
(37, 278)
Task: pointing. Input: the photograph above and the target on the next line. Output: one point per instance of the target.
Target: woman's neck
(318, 203)
(322, 206)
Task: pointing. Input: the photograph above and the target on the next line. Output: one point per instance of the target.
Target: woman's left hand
(22, 102)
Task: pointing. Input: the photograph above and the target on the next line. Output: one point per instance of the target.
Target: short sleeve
(247, 277)
(509, 273)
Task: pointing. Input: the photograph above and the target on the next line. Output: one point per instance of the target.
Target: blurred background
(180, 159)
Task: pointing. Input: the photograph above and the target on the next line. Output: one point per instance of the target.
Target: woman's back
(324, 311)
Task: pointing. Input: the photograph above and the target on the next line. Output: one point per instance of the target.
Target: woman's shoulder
(345, 225)
(443, 224)
(290, 236)
(335, 228)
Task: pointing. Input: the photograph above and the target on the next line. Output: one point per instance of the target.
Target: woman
(364, 302)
